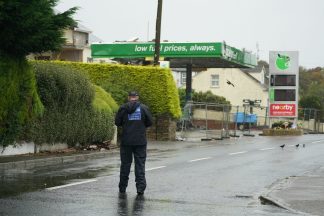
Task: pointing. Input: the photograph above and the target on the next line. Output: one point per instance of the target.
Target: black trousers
(126, 157)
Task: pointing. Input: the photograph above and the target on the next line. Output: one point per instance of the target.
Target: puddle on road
(15, 182)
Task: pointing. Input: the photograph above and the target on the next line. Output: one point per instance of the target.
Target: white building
(77, 46)
(235, 84)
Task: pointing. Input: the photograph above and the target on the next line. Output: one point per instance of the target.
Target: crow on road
(297, 145)
(282, 146)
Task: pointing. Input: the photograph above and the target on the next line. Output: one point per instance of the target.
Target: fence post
(235, 126)
(308, 120)
(315, 119)
(227, 121)
(206, 119)
(222, 129)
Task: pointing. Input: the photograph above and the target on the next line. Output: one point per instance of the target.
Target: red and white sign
(283, 110)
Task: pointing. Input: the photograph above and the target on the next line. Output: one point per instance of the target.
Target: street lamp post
(158, 33)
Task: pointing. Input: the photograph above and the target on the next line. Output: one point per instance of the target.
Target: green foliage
(312, 90)
(75, 110)
(104, 101)
(282, 125)
(205, 97)
(311, 81)
(155, 85)
(103, 116)
(31, 26)
(182, 96)
(117, 91)
(310, 101)
(209, 97)
(19, 101)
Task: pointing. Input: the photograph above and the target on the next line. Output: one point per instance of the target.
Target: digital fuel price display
(284, 94)
(283, 80)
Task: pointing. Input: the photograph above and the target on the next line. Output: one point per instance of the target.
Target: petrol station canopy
(199, 55)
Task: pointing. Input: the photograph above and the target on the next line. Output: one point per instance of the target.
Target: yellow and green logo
(282, 62)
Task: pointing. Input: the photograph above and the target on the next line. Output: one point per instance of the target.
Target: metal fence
(218, 121)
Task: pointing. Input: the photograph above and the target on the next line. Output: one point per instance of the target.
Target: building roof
(256, 69)
(94, 39)
(82, 28)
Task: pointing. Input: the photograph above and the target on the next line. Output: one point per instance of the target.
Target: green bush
(205, 97)
(104, 101)
(155, 85)
(19, 101)
(75, 110)
(117, 92)
(282, 125)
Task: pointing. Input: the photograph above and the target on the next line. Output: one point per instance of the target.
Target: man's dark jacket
(134, 118)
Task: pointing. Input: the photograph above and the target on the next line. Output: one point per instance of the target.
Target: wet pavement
(203, 178)
(300, 194)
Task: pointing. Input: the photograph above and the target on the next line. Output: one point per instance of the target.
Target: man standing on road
(134, 118)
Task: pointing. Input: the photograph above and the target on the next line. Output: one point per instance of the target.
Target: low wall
(163, 129)
(19, 148)
(30, 147)
(212, 115)
(283, 132)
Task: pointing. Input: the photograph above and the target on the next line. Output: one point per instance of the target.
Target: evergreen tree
(32, 26)
(26, 26)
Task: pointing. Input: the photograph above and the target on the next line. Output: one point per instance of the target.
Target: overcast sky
(283, 25)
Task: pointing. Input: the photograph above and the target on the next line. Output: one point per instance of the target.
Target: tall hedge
(19, 101)
(156, 86)
(76, 111)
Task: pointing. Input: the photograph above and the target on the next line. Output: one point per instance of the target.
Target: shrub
(103, 116)
(75, 110)
(205, 97)
(155, 85)
(282, 125)
(19, 101)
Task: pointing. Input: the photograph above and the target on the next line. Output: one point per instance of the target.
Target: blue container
(248, 118)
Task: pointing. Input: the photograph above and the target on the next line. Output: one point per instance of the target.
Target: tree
(31, 26)
(310, 79)
(26, 26)
(311, 101)
(205, 97)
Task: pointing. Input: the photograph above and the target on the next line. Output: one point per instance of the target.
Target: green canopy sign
(173, 50)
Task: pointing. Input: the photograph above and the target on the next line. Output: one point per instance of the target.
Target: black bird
(282, 146)
(304, 145)
(297, 145)
(230, 83)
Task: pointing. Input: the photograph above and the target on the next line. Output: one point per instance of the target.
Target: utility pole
(158, 33)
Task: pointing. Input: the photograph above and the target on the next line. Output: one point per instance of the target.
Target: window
(183, 77)
(215, 80)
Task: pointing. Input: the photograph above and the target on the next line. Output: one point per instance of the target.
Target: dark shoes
(123, 191)
(140, 193)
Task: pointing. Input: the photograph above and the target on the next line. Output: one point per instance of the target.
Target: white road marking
(72, 184)
(236, 153)
(204, 146)
(265, 149)
(317, 141)
(199, 159)
(155, 168)
(292, 145)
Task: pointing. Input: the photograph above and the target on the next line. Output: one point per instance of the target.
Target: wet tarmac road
(211, 178)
